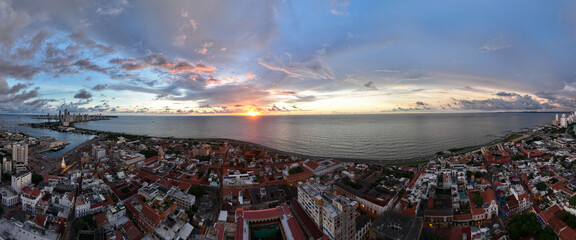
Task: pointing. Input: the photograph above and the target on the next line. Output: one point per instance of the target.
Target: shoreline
(407, 161)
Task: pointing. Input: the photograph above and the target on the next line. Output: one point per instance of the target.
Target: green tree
(37, 178)
(79, 225)
(541, 186)
(197, 191)
(572, 201)
(477, 198)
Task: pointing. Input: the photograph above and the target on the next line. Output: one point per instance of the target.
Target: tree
(477, 198)
(37, 178)
(572, 201)
(79, 225)
(541, 186)
(197, 191)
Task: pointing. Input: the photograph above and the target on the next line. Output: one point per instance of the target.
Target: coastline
(406, 161)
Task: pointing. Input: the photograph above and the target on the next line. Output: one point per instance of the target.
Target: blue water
(11, 123)
(385, 136)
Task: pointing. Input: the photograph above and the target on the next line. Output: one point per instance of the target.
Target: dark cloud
(301, 99)
(369, 86)
(23, 72)
(19, 98)
(100, 87)
(420, 103)
(83, 94)
(525, 102)
(506, 94)
(80, 37)
(87, 65)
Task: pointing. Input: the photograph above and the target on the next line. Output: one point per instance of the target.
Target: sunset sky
(286, 57)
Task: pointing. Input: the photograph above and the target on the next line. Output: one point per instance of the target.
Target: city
(119, 186)
(274, 119)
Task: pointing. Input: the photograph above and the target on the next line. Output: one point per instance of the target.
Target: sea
(375, 137)
(11, 123)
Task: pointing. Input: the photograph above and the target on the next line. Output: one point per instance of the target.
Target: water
(385, 136)
(11, 123)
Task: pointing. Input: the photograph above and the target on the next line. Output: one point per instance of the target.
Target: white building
(20, 153)
(6, 166)
(132, 159)
(9, 197)
(563, 121)
(30, 198)
(82, 207)
(183, 199)
(20, 180)
(335, 216)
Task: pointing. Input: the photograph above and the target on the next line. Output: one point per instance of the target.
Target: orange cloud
(249, 75)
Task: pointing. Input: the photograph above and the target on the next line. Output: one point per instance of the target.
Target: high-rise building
(563, 121)
(20, 180)
(20, 153)
(6, 166)
(334, 215)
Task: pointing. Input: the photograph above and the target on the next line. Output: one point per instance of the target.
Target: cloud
(519, 102)
(112, 7)
(17, 71)
(340, 7)
(418, 106)
(100, 87)
(496, 44)
(315, 67)
(161, 62)
(87, 65)
(19, 98)
(302, 99)
(369, 86)
(10, 21)
(80, 37)
(506, 94)
(83, 94)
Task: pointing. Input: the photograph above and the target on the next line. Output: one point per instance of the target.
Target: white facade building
(9, 197)
(335, 216)
(20, 180)
(82, 207)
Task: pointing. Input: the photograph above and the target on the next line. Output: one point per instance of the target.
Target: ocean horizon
(374, 137)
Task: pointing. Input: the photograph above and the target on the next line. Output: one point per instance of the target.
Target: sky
(186, 57)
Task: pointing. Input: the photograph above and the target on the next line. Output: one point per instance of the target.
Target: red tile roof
(557, 224)
(312, 165)
(40, 220)
(132, 231)
(567, 234)
(101, 220)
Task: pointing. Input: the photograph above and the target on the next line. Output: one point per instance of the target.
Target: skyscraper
(20, 153)
(563, 121)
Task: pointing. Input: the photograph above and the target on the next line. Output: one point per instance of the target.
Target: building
(20, 152)
(6, 166)
(335, 216)
(275, 218)
(322, 167)
(149, 216)
(395, 225)
(20, 180)
(563, 121)
(9, 197)
(183, 199)
(30, 198)
(82, 207)
(20, 155)
(130, 160)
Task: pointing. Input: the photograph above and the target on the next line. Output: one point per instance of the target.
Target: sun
(253, 113)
